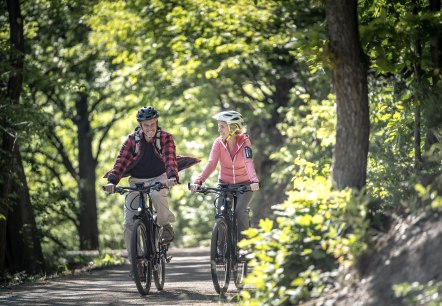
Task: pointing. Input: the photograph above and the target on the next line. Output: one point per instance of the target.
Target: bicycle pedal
(168, 259)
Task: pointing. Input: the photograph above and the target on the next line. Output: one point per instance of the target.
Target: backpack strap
(137, 140)
(158, 142)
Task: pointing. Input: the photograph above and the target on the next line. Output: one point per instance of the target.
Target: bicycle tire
(141, 264)
(219, 256)
(239, 273)
(159, 271)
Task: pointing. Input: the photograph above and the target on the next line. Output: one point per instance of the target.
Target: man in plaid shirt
(147, 156)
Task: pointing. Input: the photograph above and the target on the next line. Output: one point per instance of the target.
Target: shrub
(317, 229)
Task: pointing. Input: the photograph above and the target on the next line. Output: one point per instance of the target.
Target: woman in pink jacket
(233, 150)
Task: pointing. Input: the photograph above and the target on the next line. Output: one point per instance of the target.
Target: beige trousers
(159, 201)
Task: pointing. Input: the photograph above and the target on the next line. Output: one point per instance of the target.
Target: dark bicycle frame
(227, 211)
(147, 217)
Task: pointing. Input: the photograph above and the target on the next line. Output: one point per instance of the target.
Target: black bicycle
(148, 254)
(224, 252)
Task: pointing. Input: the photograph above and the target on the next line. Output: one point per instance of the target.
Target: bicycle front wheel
(140, 257)
(159, 271)
(219, 256)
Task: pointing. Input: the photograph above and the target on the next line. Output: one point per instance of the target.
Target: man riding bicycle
(147, 156)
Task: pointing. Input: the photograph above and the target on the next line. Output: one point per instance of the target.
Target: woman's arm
(211, 163)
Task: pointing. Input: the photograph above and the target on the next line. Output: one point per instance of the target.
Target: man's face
(149, 127)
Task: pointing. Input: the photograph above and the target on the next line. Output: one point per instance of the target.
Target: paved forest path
(188, 282)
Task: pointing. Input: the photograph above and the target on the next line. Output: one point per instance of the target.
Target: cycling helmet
(146, 113)
(230, 117)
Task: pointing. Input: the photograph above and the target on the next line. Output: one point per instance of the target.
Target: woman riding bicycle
(233, 150)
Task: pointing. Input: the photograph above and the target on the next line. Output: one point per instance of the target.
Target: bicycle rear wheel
(239, 273)
(141, 264)
(159, 271)
(219, 256)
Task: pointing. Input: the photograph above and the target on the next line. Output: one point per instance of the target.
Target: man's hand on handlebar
(171, 182)
(109, 188)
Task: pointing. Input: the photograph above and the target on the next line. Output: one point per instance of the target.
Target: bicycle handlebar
(144, 188)
(222, 189)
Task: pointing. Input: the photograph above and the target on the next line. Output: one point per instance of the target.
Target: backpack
(157, 141)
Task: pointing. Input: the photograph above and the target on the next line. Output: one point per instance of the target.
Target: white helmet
(230, 117)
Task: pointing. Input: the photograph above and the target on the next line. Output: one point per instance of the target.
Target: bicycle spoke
(141, 266)
(220, 262)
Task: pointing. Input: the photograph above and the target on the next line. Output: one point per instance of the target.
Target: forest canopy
(341, 101)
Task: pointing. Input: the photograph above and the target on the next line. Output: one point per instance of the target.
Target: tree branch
(53, 138)
(95, 105)
(106, 130)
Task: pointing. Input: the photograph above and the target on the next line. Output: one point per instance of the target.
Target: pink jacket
(235, 168)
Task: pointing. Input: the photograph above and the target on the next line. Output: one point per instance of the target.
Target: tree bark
(23, 252)
(7, 134)
(88, 227)
(417, 138)
(419, 100)
(349, 77)
(436, 58)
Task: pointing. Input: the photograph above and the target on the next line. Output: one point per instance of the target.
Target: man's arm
(169, 157)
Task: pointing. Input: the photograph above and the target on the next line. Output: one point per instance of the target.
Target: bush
(316, 230)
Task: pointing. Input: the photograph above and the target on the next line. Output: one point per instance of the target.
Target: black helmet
(146, 113)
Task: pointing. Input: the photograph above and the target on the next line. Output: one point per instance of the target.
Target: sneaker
(167, 234)
(243, 256)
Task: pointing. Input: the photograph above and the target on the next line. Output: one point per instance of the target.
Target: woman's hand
(254, 186)
(194, 187)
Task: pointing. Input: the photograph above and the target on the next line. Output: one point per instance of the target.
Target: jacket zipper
(233, 159)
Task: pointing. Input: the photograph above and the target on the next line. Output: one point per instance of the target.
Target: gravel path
(188, 282)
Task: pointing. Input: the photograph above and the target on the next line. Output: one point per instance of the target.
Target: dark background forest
(341, 100)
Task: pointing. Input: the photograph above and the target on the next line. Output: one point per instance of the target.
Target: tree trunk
(6, 164)
(419, 101)
(88, 227)
(23, 248)
(417, 138)
(266, 135)
(436, 47)
(349, 77)
(436, 58)
(8, 136)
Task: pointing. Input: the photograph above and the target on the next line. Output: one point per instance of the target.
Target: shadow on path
(188, 282)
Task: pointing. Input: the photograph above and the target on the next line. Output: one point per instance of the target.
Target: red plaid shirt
(127, 159)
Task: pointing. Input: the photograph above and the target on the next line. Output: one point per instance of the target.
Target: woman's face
(223, 129)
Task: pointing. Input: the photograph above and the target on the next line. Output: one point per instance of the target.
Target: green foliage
(204, 56)
(91, 260)
(430, 195)
(419, 294)
(391, 172)
(66, 264)
(267, 59)
(309, 131)
(317, 229)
